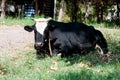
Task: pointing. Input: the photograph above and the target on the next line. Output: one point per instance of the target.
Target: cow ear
(42, 19)
(28, 28)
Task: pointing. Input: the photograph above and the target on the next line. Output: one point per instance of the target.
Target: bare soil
(14, 37)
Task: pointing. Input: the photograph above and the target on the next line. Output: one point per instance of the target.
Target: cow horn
(41, 19)
(49, 18)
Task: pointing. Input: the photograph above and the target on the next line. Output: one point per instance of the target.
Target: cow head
(38, 28)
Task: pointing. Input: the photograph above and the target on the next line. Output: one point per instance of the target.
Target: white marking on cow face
(41, 24)
(40, 27)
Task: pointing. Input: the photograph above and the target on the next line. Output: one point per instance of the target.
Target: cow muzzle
(38, 46)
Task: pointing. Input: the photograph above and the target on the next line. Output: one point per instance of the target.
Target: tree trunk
(87, 10)
(61, 11)
(36, 7)
(99, 13)
(74, 13)
(3, 8)
(118, 13)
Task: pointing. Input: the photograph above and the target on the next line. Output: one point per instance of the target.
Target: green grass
(16, 21)
(23, 64)
(25, 21)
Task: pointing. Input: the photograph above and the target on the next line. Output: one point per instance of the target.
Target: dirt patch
(13, 37)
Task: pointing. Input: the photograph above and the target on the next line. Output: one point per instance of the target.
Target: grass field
(23, 64)
(16, 21)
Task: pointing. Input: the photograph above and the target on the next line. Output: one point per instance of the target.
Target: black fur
(74, 36)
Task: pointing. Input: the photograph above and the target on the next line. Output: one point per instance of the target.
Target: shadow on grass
(92, 57)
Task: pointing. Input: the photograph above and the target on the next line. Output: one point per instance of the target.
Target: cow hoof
(106, 57)
(108, 54)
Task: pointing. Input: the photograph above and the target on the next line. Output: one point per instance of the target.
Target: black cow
(67, 37)
(74, 36)
(38, 35)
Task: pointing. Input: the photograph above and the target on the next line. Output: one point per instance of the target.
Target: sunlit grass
(16, 21)
(23, 64)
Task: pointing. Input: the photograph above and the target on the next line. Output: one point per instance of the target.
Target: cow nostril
(38, 45)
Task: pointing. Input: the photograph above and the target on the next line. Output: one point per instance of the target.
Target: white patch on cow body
(100, 51)
(40, 27)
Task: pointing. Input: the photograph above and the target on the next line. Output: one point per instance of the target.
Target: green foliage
(39, 16)
(65, 18)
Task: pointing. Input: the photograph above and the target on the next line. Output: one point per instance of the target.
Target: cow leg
(38, 52)
(56, 46)
(55, 52)
(102, 49)
(43, 51)
(65, 52)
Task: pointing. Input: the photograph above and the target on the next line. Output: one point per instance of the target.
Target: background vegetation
(89, 10)
(77, 10)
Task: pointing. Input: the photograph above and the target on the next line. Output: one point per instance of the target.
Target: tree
(3, 8)
(75, 10)
(87, 5)
(118, 12)
(99, 10)
(72, 9)
(61, 10)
